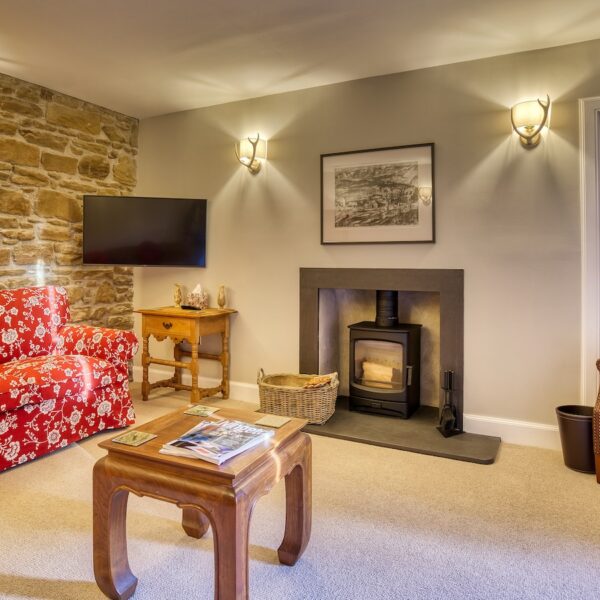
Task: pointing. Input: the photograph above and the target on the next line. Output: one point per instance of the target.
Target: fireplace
(384, 368)
(318, 336)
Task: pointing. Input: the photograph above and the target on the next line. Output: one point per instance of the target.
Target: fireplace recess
(385, 362)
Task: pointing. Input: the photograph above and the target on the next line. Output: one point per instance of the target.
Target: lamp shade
(528, 119)
(528, 115)
(246, 151)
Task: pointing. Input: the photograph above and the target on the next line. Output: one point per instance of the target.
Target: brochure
(133, 438)
(275, 421)
(201, 410)
(217, 441)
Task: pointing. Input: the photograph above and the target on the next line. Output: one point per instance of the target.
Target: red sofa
(59, 383)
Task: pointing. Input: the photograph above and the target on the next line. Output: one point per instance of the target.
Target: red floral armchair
(59, 383)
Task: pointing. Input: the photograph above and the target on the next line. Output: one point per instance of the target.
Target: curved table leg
(232, 524)
(111, 565)
(194, 522)
(298, 504)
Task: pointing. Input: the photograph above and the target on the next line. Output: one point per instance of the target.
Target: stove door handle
(409, 371)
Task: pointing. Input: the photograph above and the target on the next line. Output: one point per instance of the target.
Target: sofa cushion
(35, 380)
(29, 321)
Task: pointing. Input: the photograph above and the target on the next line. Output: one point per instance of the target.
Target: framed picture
(378, 196)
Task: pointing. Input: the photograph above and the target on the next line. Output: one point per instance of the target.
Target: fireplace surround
(448, 283)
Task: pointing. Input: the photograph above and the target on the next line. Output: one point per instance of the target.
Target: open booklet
(217, 441)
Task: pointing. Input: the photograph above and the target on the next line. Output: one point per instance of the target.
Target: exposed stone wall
(53, 149)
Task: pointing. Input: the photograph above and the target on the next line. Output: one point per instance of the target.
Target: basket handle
(260, 376)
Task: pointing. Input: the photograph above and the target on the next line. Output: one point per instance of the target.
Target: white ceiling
(150, 57)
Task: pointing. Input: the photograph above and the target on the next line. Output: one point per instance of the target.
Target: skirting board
(246, 392)
(524, 433)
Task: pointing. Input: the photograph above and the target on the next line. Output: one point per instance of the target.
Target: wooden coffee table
(221, 497)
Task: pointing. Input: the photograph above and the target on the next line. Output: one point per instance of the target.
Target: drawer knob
(167, 325)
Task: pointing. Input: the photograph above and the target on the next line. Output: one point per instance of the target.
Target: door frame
(589, 137)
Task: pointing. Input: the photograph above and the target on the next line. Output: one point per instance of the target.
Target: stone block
(28, 176)
(77, 186)
(124, 170)
(30, 254)
(80, 314)
(68, 258)
(4, 256)
(8, 223)
(116, 134)
(93, 147)
(12, 105)
(46, 139)
(120, 322)
(29, 92)
(96, 167)
(19, 153)
(73, 118)
(14, 203)
(105, 293)
(53, 204)
(4, 166)
(53, 233)
(76, 294)
(22, 235)
(7, 128)
(56, 162)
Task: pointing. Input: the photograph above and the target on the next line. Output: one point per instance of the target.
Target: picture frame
(378, 196)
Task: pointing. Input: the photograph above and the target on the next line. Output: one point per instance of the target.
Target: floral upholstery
(110, 344)
(29, 321)
(59, 383)
(34, 380)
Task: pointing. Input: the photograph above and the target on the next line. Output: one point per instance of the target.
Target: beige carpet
(386, 524)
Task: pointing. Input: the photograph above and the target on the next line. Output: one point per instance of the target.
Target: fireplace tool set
(447, 426)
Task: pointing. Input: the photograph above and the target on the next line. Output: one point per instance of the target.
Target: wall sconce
(251, 153)
(528, 119)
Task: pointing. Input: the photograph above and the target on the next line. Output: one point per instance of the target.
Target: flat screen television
(127, 230)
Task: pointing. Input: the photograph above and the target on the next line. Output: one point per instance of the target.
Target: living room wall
(507, 216)
(53, 149)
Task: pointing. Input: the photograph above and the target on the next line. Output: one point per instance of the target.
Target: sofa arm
(113, 345)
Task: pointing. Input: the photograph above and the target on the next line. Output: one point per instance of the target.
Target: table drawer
(155, 325)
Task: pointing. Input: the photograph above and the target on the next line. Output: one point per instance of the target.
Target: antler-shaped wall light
(528, 119)
(251, 153)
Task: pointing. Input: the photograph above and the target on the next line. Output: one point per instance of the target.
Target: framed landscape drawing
(384, 195)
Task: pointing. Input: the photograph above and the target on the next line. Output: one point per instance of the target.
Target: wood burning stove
(385, 362)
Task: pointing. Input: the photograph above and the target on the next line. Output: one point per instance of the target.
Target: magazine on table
(217, 441)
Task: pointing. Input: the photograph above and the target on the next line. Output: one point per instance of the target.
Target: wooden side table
(221, 497)
(181, 324)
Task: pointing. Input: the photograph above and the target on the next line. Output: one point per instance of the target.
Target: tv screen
(126, 230)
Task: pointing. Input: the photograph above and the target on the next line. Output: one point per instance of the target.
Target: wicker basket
(283, 394)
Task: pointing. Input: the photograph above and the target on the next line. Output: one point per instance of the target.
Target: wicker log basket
(284, 394)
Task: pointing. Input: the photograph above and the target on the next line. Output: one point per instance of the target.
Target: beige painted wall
(508, 216)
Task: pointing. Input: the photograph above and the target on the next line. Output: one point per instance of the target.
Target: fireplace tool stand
(447, 426)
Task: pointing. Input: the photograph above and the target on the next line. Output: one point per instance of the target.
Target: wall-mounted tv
(127, 230)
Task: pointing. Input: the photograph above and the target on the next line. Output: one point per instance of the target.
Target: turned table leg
(298, 504)
(145, 364)
(195, 395)
(111, 565)
(225, 360)
(177, 356)
(194, 522)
